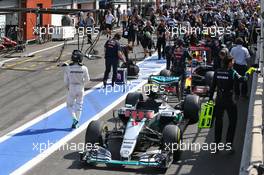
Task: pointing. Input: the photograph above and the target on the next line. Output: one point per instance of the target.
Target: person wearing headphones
(75, 77)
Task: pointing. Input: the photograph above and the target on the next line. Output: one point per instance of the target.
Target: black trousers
(221, 105)
(168, 64)
(182, 76)
(146, 43)
(124, 25)
(89, 38)
(108, 64)
(161, 44)
(241, 69)
(168, 57)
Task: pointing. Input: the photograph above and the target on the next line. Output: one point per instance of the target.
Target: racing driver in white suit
(75, 77)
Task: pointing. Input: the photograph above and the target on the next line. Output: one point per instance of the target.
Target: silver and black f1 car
(143, 134)
(166, 84)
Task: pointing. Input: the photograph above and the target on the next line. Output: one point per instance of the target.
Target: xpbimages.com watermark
(213, 30)
(178, 30)
(41, 147)
(58, 30)
(171, 147)
(197, 147)
(145, 89)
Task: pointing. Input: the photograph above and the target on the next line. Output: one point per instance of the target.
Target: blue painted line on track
(20, 148)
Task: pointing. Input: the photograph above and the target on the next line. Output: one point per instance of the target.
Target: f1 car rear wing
(199, 48)
(200, 53)
(163, 80)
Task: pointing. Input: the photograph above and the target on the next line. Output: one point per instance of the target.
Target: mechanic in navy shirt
(179, 57)
(113, 53)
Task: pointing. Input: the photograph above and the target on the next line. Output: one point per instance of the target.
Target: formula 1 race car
(199, 80)
(144, 134)
(199, 74)
(166, 84)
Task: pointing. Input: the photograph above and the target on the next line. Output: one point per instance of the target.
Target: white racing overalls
(75, 78)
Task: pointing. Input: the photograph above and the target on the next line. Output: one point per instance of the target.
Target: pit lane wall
(252, 155)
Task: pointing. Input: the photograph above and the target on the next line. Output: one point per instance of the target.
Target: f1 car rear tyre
(132, 69)
(209, 76)
(114, 146)
(191, 108)
(95, 133)
(171, 135)
(165, 73)
(133, 98)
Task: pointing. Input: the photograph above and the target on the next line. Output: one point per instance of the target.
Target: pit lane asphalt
(26, 94)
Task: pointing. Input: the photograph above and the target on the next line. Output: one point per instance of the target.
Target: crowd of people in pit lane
(214, 25)
(228, 48)
(227, 29)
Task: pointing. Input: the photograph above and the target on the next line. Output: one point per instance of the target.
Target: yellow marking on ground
(21, 62)
(53, 67)
(21, 69)
(44, 61)
(58, 65)
(33, 65)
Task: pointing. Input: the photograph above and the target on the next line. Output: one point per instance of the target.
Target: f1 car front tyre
(114, 146)
(171, 135)
(165, 73)
(209, 76)
(133, 98)
(191, 108)
(95, 133)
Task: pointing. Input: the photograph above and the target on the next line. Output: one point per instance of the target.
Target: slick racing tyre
(209, 76)
(165, 73)
(95, 133)
(133, 98)
(132, 69)
(191, 108)
(94, 137)
(171, 135)
(114, 146)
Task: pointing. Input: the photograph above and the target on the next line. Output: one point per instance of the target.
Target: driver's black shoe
(231, 151)
(75, 124)
(104, 82)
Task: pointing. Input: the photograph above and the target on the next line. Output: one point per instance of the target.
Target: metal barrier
(252, 157)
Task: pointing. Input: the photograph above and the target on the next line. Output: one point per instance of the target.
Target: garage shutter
(61, 2)
(8, 3)
(85, 1)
